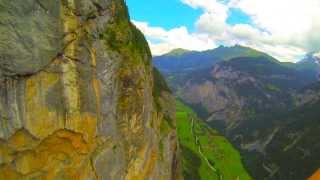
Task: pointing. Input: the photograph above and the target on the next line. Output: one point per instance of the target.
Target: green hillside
(178, 52)
(206, 155)
(229, 53)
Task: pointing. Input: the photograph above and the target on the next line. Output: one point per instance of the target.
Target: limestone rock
(77, 95)
(30, 35)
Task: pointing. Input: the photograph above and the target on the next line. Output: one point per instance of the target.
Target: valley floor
(206, 154)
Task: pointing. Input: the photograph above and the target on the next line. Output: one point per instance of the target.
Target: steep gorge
(77, 98)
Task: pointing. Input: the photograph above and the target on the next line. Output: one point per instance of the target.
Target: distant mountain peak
(230, 52)
(311, 58)
(181, 59)
(317, 57)
(177, 52)
(317, 54)
(232, 47)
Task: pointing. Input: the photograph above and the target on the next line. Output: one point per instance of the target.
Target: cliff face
(77, 98)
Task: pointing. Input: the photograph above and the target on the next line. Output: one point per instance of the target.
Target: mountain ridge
(195, 60)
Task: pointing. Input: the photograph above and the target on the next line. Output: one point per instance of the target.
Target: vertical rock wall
(77, 94)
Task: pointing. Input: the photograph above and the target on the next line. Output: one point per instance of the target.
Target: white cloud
(212, 6)
(166, 41)
(280, 16)
(245, 32)
(286, 29)
(213, 19)
(291, 22)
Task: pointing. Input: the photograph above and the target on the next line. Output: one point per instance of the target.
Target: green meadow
(206, 155)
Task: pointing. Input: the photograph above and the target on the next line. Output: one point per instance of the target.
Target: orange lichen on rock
(86, 124)
(22, 140)
(41, 120)
(6, 153)
(7, 172)
(141, 168)
(315, 176)
(63, 154)
(95, 82)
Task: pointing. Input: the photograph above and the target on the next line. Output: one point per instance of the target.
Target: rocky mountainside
(310, 64)
(252, 100)
(242, 87)
(78, 98)
(283, 145)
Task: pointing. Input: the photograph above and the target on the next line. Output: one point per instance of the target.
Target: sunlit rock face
(77, 98)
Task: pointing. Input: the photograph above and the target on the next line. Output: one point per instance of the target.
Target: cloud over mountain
(286, 29)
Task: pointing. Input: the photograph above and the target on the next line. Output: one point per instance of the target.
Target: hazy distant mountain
(310, 63)
(183, 60)
(311, 58)
(178, 52)
(251, 98)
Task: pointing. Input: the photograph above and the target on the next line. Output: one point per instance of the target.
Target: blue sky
(236, 16)
(164, 13)
(173, 13)
(286, 31)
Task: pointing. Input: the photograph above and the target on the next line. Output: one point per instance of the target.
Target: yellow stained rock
(22, 140)
(6, 152)
(62, 155)
(8, 173)
(40, 120)
(142, 167)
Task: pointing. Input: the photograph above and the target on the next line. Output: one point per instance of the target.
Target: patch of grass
(165, 126)
(219, 152)
(271, 87)
(191, 163)
(122, 36)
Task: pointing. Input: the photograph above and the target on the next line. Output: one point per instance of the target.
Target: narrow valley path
(211, 166)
